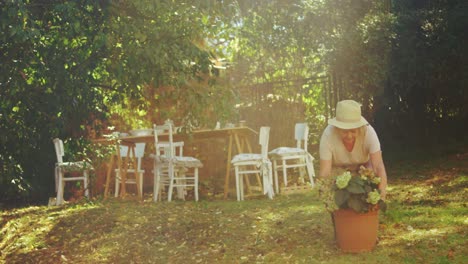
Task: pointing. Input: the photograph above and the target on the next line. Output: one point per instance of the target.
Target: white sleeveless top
(332, 147)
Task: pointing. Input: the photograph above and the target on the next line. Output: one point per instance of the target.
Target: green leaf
(357, 204)
(358, 180)
(341, 196)
(354, 187)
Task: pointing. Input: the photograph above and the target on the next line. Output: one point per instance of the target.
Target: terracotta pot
(356, 232)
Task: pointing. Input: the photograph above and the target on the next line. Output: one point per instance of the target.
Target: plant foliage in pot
(354, 201)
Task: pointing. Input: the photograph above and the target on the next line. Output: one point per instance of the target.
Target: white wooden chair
(285, 158)
(161, 166)
(62, 169)
(170, 169)
(257, 164)
(137, 173)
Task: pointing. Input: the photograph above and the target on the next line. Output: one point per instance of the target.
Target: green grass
(426, 222)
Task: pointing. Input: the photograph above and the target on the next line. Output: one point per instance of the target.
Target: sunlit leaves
(156, 45)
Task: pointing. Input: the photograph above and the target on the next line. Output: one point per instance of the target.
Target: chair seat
(74, 166)
(131, 171)
(188, 162)
(247, 157)
(285, 152)
(180, 161)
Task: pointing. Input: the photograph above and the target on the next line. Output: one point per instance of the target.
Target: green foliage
(47, 90)
(426, 93)
(402, 59)
(358, 192)
(72, 67)
(277, 41)
(67, 67)
(162, 59)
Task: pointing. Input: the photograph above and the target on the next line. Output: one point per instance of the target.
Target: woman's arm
(379, 169)
(325, 168)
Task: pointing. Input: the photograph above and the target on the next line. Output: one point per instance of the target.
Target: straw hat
(348, 115)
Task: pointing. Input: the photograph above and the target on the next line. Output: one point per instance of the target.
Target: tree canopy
(71, 68)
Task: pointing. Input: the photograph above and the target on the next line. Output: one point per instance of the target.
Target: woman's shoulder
(371, 139)
(328, 131)
(370, 131)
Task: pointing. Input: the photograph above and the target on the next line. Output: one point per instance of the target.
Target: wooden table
(238, 136)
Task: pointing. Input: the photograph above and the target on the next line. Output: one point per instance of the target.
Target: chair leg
(117, 183)
(275, 171)
(171, 184)
(241, 186)
(285, 173)
(86, 183)
(259, 181)
(196, 184)
(180, 189)
(140, 181)
(56, 178)
(60, 188)
(236, 170)
(311, 172)
(156, 184)
(270, 182)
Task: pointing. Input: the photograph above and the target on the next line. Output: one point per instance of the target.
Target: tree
(425, 94)
(67, 64)
(50, 53)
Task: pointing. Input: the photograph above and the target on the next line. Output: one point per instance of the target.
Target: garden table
(238, 141)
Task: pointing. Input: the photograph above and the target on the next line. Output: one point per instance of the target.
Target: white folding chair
(170, 169)
(285, 158)
(137, 173)
(62, 169)
(257, 164)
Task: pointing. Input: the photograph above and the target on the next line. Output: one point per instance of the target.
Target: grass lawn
(426, 222)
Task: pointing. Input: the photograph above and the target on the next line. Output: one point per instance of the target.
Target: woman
(349, 142)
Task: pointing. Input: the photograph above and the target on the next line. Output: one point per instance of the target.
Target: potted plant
(354, 201)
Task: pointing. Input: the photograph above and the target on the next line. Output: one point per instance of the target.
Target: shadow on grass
(423, 224)
(218, 231)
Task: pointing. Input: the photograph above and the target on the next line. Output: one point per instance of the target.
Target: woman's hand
(379, 169)
(383, 191)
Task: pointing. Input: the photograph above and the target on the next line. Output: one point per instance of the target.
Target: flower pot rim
(349, 210)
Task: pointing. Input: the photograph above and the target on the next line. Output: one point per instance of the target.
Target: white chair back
(301, 135)
(139, 152)
(59, 151)
(164, 149)
(263, 140)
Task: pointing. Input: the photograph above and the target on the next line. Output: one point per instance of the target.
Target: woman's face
(348, 135)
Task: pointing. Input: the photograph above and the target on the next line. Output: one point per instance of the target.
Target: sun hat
(348, 115)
